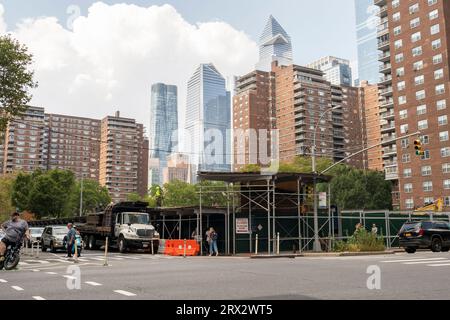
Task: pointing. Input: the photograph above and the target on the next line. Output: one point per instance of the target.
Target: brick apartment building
(413, 37)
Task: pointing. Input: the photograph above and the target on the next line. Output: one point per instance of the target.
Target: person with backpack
(78, 242)
(213, 242)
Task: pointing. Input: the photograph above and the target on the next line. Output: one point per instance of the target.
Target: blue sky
(317, 28)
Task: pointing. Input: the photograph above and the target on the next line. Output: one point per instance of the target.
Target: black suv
(434, 235)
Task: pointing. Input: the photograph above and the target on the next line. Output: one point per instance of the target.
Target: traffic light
(418, 147)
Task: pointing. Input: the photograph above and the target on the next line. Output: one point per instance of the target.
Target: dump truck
(126, 225)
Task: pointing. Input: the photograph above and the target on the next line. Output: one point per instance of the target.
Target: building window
(422, 125)
(434, 14)
(404, 128)
(418, 65)
(402, 100)
(437, 59)
(403, 114)
(425, 139)
(417, 51)
(427, 186)
(406, 158)
(436, 44)
(443, 136)
(426, 155)
(442, 120)
(398, 44)
(435, 29)
(405, 143)
(396, 16)
(439, 74)
(447, 184)
(408, 188)
(400, 72)
(399, 58)
(421, 110)
(409, 203)
(414, 8)
(446, 168)
(414, 23)
(428, 200)
(395, 3)
(401, 85)
(447, 201)
(419, 80)
(416, 37)
(441, 104)
(440, 89)
(432, 2)
(445, 152)
(407, 173)
(420, 95)
(426, 171)
(397, 30)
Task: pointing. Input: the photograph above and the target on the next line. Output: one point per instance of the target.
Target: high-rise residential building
(367, 22)
(274, 45)
(208, 121)
(337, 71)
(163, 133)
(373, 158)
(253, 109)
(123, 144)
(73, 143)
(178, 168)
(25, 148)
(414, 42)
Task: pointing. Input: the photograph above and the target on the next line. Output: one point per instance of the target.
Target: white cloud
(2, 21)
(114, 54)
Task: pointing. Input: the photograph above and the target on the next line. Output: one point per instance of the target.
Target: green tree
(16, 79)
(179, 193)
(46, 198)
(214, 194)
(95, 197)
(6, 190)
(21, 191)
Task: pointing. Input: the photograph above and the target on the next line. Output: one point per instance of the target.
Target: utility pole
(81, 197)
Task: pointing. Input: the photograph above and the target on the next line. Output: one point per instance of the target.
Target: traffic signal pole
(366, 149)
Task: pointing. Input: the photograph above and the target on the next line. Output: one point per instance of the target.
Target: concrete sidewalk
(322, 254)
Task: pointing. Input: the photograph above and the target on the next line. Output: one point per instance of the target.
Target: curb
(290, 256)
(326, 254)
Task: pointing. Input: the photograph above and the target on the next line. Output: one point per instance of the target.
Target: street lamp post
(81, 197)
(316, 245)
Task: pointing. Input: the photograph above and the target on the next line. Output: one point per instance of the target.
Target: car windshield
(36, 232)
(60, 231)
(410, 227)
(135, 218)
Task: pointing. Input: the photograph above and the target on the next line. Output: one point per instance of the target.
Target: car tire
(122, 245)
(445, 249)
(52, 248)
(411, 250)
(43, 248)
(436, 245)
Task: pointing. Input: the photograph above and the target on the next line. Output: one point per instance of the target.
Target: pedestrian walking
(374, 229)
(208, 240)
(70, 239)
(78, 242)
(213, 243)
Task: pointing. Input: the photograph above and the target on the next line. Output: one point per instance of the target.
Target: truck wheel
(436, 245)
(122, 244)
(445, 249)
(410, 250)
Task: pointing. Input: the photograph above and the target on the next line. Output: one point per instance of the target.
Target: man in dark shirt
(70, 239)
(15, 230)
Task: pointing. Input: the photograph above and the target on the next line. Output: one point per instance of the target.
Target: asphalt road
(142, 276)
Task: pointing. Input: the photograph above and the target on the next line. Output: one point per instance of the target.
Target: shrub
(362, 240)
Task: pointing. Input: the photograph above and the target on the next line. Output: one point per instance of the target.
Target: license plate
(408, 234)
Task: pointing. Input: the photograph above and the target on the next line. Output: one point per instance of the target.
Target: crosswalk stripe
(3, 281)
(439, 265)
(413, 260)
(425, 262)
(125, 293)
(21, 263)
(91, 283)
(38, 298)
(38, 261)
(17, 288)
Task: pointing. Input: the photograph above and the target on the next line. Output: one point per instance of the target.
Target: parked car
(434, 235)
(53, 238)
(36, 234)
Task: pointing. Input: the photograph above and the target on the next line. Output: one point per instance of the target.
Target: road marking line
(114, 258)
(35, 270)
(128, 257)
(413, 260)
(17, 288)
(3, 281)
(438, 265)
(125, 293)
(91, 283)
(425, 262)
(98, 259)
(83, 260)
(59, 260)
(23, 263)
(70, 277)
(51, 273)
(38, 298)
(39, 261)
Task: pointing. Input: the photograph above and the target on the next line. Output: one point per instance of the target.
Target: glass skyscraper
(208, 121)
(366, 31)
(163, 128)
(337, 71)
(274, 45)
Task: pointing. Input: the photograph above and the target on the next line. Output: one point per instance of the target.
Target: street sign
(323, 200)
(260, 227)
(242, 226)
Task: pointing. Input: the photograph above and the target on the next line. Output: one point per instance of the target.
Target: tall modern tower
(367, 22)
(274, 45)
(336, 70)
(208, 121)
(163, 128)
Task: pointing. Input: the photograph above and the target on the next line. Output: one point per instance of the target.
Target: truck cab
(134, 231)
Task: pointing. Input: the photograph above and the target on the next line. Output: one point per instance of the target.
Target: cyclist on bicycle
(15, 230)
